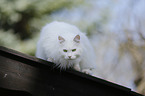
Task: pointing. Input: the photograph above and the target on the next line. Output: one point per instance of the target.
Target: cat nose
(69, 57)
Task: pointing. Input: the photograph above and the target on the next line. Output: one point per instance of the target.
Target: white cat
(66, 46)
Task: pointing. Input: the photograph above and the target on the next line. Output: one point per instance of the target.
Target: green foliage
(18, 15)
(11, 40)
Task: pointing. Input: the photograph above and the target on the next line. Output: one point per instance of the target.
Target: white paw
(87, 71)
(77, 67)
(50, 59)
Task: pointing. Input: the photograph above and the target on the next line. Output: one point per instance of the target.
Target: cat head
(70, 50)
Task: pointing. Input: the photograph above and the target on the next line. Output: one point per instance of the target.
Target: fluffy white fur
(66, 46)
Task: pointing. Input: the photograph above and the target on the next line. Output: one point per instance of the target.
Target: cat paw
(87, 71)
(77, 67)
(50, 59)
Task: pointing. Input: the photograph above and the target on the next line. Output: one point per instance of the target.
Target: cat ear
(61, 39)
(77, 39)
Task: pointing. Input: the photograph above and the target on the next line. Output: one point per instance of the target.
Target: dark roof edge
(36, 62)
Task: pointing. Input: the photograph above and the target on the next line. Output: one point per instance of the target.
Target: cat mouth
(70, 59)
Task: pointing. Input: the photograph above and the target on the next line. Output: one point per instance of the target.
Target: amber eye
(73, 50)
(64, 50)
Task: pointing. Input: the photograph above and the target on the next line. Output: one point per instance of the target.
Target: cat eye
(64, 50)
(73, 50)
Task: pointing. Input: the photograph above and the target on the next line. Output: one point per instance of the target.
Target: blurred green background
(114, 27)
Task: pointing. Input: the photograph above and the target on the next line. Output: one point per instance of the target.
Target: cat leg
(77, 67)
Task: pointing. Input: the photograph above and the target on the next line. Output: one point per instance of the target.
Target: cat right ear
(77, 39)
(61, 39)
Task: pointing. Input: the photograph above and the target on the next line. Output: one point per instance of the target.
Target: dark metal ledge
(20, 73)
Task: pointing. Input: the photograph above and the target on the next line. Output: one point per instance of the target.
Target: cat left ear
(61, 39)
(77, 39)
